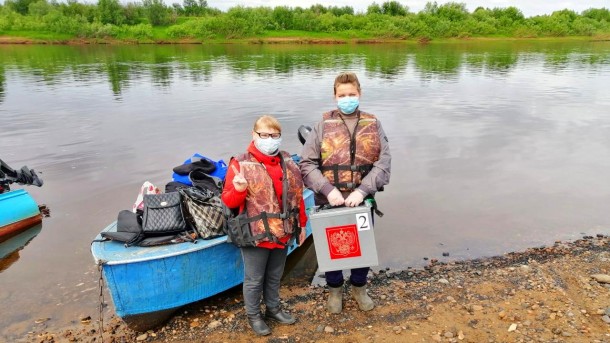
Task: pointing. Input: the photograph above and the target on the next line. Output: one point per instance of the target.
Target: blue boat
(18, 212)
(148, 284)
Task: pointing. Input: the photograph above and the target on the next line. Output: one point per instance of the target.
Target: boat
(18, 212)
(148, 284)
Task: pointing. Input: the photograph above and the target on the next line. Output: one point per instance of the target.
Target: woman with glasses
(265, 185)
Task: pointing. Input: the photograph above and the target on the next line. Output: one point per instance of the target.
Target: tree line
(194, 19)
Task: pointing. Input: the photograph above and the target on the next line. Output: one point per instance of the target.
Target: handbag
(163, 214)
(204, 211)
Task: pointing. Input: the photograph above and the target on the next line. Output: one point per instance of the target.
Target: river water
(497, 146)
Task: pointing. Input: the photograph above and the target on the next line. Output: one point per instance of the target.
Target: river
(496, 146)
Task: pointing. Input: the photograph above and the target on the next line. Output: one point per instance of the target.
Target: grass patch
(37, 35)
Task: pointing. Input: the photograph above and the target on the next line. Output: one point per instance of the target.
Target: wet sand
(546, 294)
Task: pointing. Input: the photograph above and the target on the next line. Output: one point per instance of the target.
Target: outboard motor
(303, 132)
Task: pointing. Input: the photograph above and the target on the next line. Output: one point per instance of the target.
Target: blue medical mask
(348, 104)
(268, 146)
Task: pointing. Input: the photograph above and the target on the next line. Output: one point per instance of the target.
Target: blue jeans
(357, 277)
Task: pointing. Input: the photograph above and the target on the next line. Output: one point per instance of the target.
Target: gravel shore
(558, 293)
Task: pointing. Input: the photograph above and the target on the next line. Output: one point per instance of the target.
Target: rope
(101, 299)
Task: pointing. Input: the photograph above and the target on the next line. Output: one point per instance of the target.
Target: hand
(335, 198)
(354, 199)
(239, 181)
(302, 235)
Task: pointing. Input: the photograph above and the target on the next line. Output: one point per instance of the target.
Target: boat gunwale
(97, 244)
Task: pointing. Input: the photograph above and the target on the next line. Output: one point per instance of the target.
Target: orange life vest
(346, 159)
(267, 222)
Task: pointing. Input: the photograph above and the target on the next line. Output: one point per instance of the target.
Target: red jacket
(234, 199)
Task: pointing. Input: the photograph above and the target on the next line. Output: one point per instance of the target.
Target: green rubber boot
(335, 300)
(364, 301)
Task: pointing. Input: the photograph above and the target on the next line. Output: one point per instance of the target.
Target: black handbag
(163, 214)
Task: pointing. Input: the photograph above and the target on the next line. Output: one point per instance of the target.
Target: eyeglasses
(265, 135)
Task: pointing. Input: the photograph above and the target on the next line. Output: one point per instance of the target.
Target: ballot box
(344, 237)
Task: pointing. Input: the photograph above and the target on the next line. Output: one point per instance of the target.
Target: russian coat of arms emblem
(343, 241)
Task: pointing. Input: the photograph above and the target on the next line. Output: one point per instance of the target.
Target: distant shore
(556, 293)
(46, 40)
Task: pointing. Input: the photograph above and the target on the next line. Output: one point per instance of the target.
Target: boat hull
(152, 282)
(18, 212)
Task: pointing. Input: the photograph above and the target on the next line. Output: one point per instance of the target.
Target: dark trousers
(263, 269)
(357, 277)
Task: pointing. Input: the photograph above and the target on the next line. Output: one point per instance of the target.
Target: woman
(346, 159)
(266, 186)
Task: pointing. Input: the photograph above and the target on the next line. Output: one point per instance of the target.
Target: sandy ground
(558, 293)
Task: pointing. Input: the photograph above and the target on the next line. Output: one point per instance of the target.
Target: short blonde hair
(346, 77)
(267, 121)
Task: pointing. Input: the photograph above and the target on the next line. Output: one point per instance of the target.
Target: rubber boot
(335, 300)
(364, 301)
(258, 325)
(279, 316)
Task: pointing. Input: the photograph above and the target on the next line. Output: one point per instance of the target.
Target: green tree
(19, 6)
(512, 13)
(156, 12)
(394, 8)
(453, 11)
(133, 13)
(598, 14)
(339, 11)
(283, 18)
(73, 8)
(194, 7)
(374, 8)
(110, 12)
(318, 9)
(40, 8)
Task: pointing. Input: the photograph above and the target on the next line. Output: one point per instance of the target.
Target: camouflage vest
(346, 159)
(262, 207)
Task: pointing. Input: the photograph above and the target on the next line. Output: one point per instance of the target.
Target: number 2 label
(363, 221)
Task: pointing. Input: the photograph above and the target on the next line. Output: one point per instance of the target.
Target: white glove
(354, 199)
(335, 198)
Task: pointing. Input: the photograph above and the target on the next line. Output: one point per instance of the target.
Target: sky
(528, 7)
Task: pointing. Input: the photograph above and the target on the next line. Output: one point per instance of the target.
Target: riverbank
(43, 39)
(557, 293)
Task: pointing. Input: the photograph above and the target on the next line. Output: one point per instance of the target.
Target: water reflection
(122, 65)
(9, 249)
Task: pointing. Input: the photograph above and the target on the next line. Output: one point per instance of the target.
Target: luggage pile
(189, 209)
